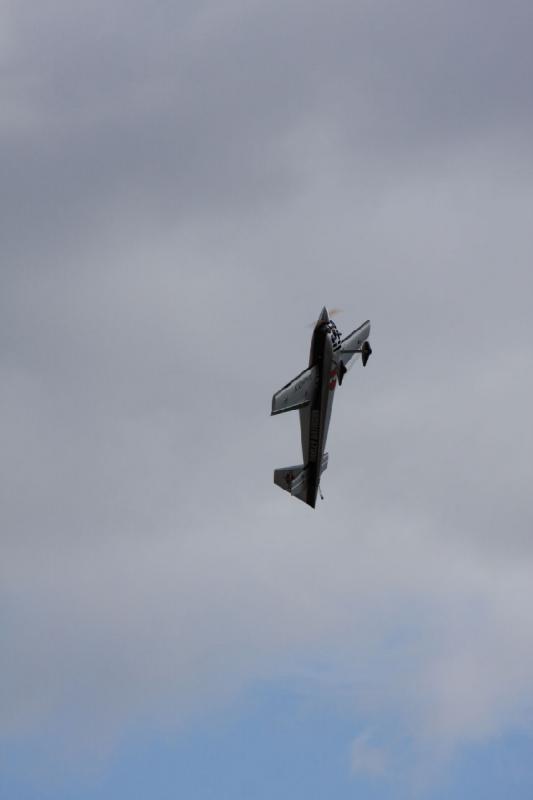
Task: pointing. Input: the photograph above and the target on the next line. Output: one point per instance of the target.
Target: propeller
(332, 312)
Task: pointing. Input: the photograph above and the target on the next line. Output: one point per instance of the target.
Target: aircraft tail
(294, 479)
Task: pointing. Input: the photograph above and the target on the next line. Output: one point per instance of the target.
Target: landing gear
(366, 352)
(342, 372)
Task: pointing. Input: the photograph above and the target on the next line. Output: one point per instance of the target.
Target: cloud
(179, 202)
(365, 758)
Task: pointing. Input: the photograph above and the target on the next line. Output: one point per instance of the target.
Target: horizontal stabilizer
(297, 393)
(292, 479)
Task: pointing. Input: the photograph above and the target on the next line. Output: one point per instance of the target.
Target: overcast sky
(183, 187)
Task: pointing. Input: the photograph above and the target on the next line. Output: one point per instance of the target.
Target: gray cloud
(182, 191)
(184, 111)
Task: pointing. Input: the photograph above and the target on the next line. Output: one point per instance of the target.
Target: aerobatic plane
(311, 392)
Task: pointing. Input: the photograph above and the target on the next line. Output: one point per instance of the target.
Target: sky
(183, 187)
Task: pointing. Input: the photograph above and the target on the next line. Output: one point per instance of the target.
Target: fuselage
(314, 418)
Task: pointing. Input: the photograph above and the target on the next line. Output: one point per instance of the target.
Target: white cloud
(366, 758)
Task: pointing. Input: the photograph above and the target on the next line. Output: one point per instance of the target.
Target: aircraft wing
(353, 341)
(299, 392)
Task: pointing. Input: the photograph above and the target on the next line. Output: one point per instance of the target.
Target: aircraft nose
(324, 317)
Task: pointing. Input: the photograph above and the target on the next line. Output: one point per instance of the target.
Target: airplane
(311, 392)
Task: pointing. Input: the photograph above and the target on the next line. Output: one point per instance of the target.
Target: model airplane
(312, 393)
